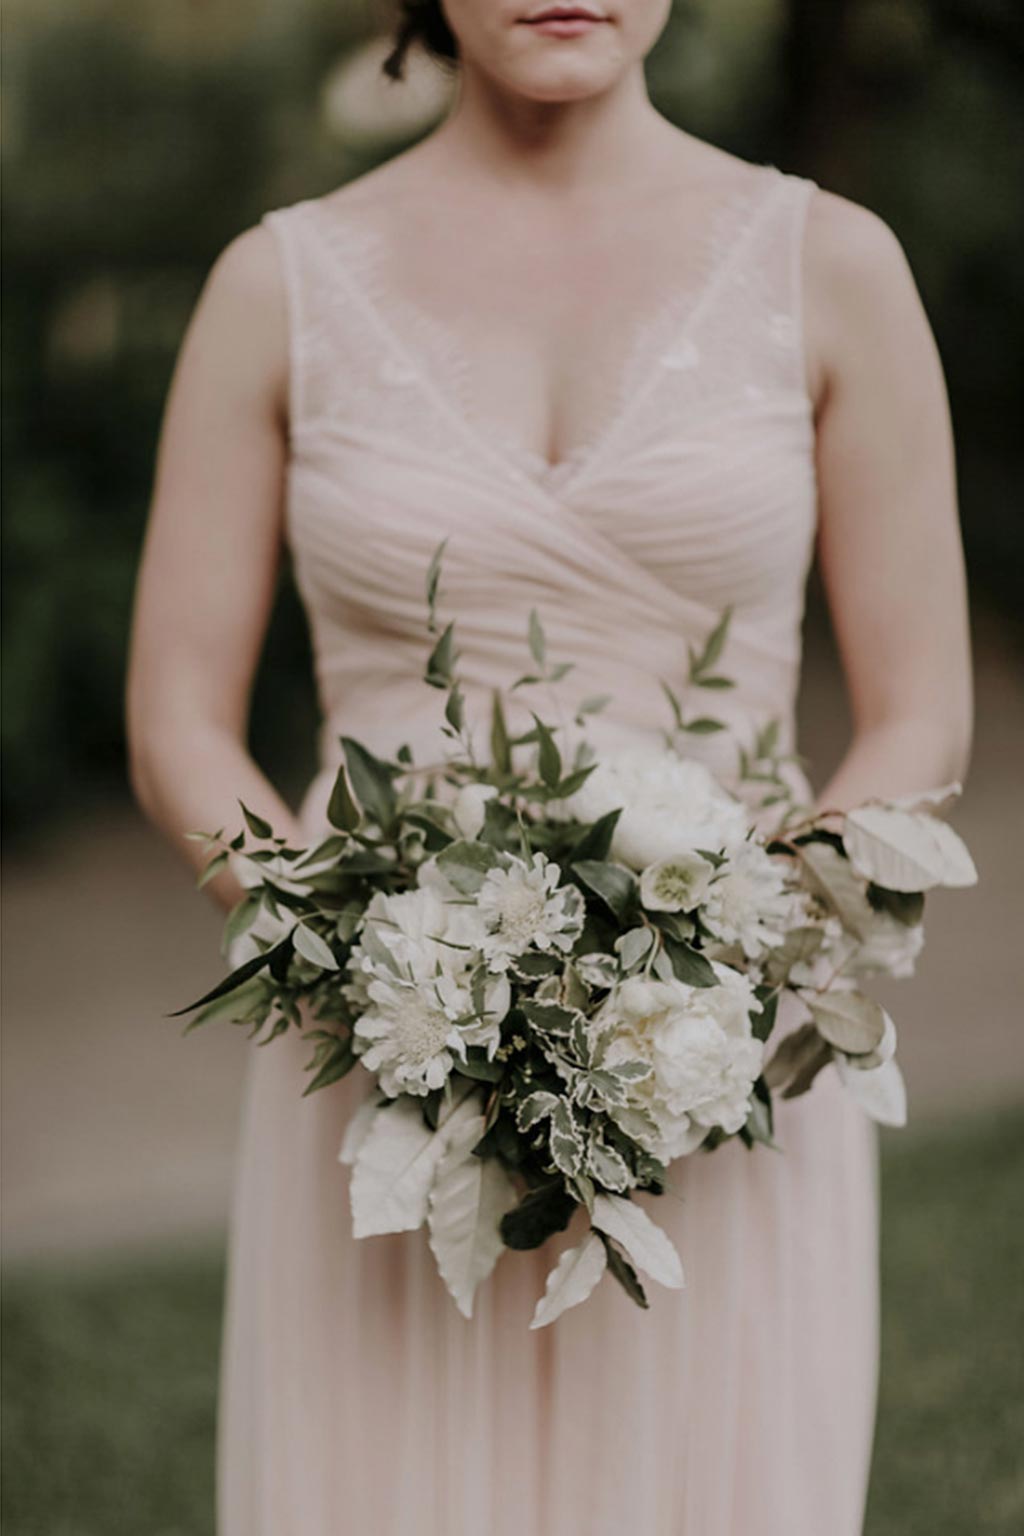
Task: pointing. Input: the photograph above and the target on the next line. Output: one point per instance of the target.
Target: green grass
(110, 1372)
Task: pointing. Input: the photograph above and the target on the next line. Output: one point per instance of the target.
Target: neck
(554, 147)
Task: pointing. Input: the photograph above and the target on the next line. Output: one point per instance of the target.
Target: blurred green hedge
(130, 164)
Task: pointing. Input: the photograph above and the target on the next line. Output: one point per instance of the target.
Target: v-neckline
(544, 476)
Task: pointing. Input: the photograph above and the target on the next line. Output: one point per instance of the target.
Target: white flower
(747, 902)
(411, 973)
(676, 884)
(468, 808)
(700, 1044)
(670, 805)
(523, 905)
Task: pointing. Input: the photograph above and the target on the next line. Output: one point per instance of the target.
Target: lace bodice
(692, 486)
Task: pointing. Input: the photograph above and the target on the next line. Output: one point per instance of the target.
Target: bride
(631, 379)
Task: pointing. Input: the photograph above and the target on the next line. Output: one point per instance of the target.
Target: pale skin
(558, 138)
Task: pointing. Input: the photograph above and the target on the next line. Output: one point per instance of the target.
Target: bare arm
(209, 563)
(889, 538)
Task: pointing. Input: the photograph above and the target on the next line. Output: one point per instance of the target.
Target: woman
(631, 379)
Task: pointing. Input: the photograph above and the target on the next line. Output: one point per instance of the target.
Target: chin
(562, 81)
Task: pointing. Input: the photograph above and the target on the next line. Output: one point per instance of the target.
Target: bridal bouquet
(562, 976)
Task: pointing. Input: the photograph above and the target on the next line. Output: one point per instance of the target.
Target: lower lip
(565, 26)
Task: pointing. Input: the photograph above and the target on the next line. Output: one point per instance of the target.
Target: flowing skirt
(356, 1401)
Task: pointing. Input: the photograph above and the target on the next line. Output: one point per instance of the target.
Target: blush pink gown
(355, 1400)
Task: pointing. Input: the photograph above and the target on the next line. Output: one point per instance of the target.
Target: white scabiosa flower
(670, 805)
(522, 906)
(677, 884)
(410, 973)
(702, 1049)
(747, 902)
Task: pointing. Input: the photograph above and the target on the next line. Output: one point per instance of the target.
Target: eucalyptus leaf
(907, 851)
(849, 1021)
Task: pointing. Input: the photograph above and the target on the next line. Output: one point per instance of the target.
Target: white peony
(523, 906)
(410, 972)
(747, 902)
(670, 805)
(702, 1048)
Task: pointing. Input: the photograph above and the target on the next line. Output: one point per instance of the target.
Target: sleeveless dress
(355, 1400)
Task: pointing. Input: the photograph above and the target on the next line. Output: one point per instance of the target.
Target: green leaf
(767, 739)
(466, 864)
(312, 947)
(633, 945)
(549, 759)
(853, 1023)
(704, 725)
(551, 1018)
(241, 917)
(454, 712)
(535, 635)
(538, 1216)
(433, 576)
(715, 682)
(688, 964)
(596, 842)
(762, 1024)
(906, 907)
(214, 867)
(797, 1061)
(566, 1141)
(479, 1068)
(608, 1167)
(439, 663)
(501, 751)
(534, 1108)
(616, 886)
(342, 810)
(337, 1063)
(371, 781)
(759, 1124)
(712, 646)
(238, 975)
(622, 1269)
(593, 704)
(676, 707)
(256, 824)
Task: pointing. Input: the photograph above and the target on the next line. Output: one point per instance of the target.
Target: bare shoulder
(860, 292)
(240, 325)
